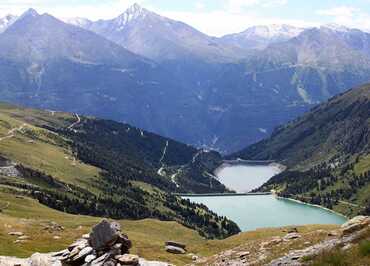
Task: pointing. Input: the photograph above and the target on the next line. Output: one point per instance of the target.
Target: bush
(333, 258)
(364, 248)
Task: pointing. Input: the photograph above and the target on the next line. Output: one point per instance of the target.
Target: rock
(19, 241)
(52, 227)
(23, 237)
(109, 263)
(128, 259)
(347, 247)
(333, 233)
(175, 250)
(100, 260)
(74, 252)
(194, 257)
(38, 259)
(356, 220)
(15, 234)
(243, 254)
(104, 234)
(274, 241)
(90, 258)
(175, 244)
(291, 236)
(83, 253)
(56, 237)
(354, 225)
(292, 230)
(81, 243)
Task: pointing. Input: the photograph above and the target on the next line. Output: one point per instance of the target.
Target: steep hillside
(162, 39)
(95, 167)
(185, 85)
(327, 151)
(48, 64)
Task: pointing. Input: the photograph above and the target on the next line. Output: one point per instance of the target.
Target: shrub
(332, 258)
(364, 248)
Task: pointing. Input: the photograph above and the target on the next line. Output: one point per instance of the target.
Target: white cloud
(199, 5)
(238, 6)
(219, 23)
(348, 16)
(59, 9)
(341, 11)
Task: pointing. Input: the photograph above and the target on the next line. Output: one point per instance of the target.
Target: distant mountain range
(167, 77)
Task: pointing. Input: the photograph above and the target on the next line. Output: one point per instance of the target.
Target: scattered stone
(175, 250)
(52, 227)
(333, 233)
(23, 237)
(347, 247)
(194, 257)
(291, 236)
(56, 237)
(38, 259)
(175, 244)
(18, 241)
(15, 234)
(128, 259)
(292, 230)
(244, 254)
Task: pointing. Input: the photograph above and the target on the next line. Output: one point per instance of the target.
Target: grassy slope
(40, 149)
(148, 236)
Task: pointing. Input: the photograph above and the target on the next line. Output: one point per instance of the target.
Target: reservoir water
(252, 212)
(244, 178)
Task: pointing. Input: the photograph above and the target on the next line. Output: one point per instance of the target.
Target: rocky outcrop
(351, 230)
(294, 245)
(106, 245)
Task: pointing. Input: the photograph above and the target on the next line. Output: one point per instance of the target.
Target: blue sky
(215, 17)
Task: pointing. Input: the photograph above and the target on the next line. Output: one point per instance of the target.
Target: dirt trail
(11, 133)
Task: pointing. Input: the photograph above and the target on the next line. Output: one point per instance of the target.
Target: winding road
(75, 123)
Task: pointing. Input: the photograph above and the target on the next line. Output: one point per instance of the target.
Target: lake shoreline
(313, 205)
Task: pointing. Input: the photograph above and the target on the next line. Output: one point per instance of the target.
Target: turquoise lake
(252, 212)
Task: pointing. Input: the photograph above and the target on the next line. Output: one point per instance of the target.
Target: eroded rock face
(355, 224)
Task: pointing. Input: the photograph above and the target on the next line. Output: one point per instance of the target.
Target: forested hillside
(328, 154)
(96, 167)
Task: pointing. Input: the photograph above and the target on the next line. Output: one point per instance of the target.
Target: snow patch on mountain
(78, 21)
(6, 21)
(335, 27)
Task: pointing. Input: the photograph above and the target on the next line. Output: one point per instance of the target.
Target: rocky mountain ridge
(194, 88)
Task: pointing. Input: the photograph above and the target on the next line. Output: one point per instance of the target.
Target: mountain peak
(135, 8)
(133, 12)
(30, 12)
(336, 27)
